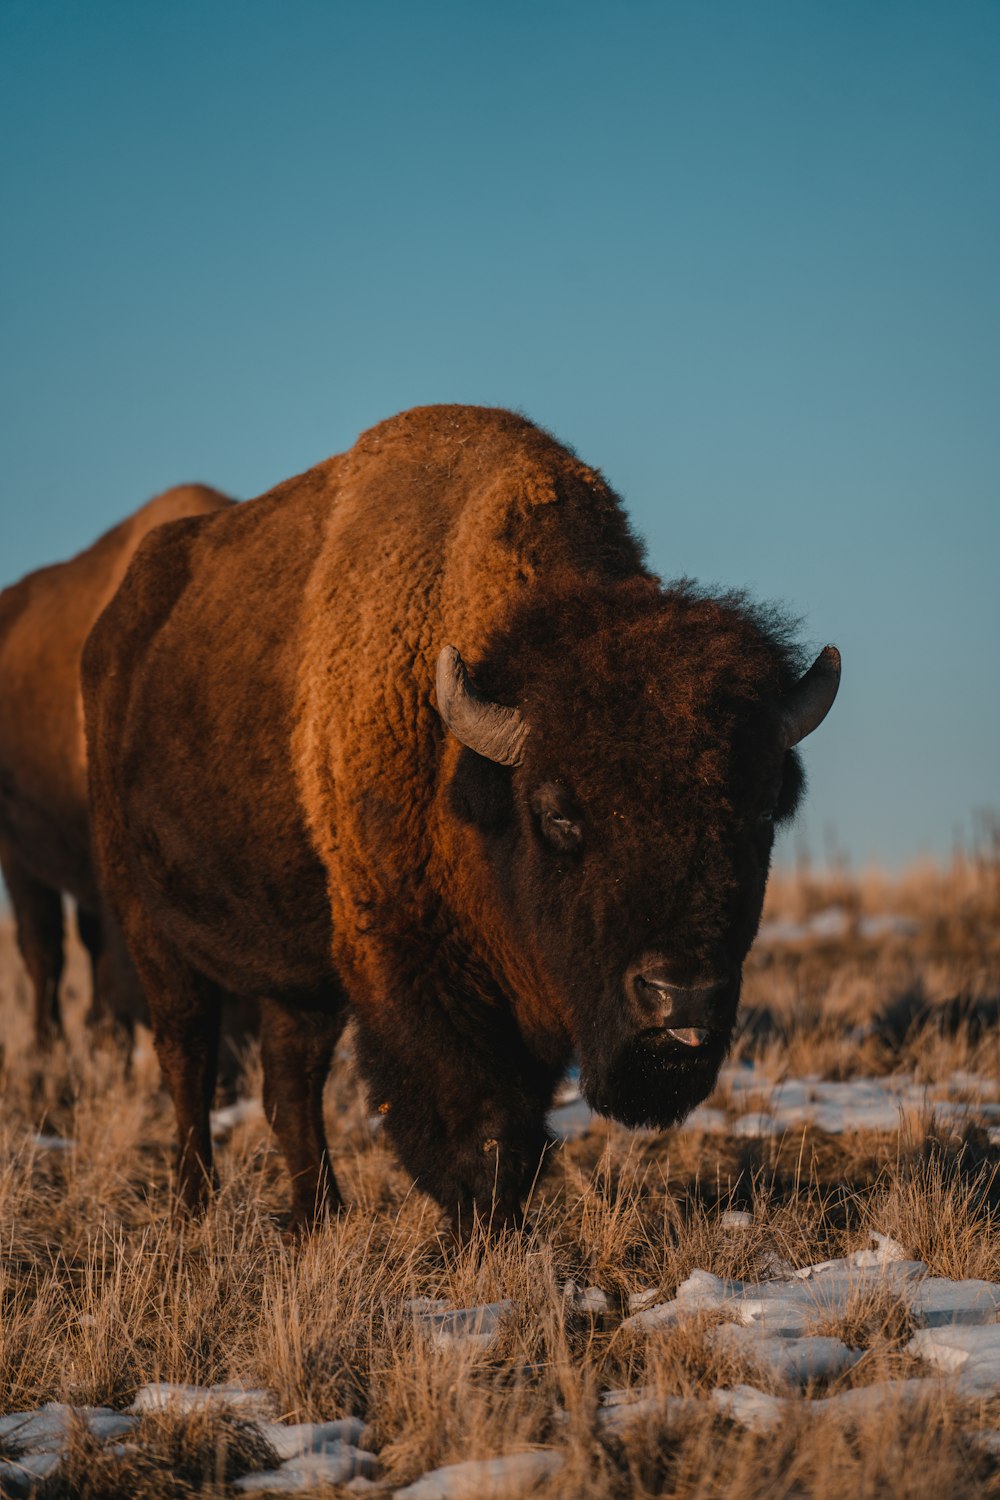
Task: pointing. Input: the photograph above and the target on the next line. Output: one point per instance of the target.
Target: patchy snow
(797, 1361)
(736, 1218)
(43, 1435)
(622, 1409)
(755, 1124)
(485, 1477)
(790, 1305)
(886, 924)
(418, 1306)
(759, 1410)
(570, 1121)
(19, 1476)
(706, 1119)
(589, 1300)
(47, 1429)
(295, 1439)
(968, 1353)
(745, 1078)
(568, 1091)
(962, 1081)
(828, 925)
(772, 1328)
(749, 1407)
(160, 1395)
(44, 1142)
(224, 1120)
(472, 1327)
(337, 1463)
(315, 1452)
(833, 924)
(646, 1297)
(841, 1106)
(939, 1302)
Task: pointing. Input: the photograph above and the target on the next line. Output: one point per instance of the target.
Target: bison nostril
(693, 1015)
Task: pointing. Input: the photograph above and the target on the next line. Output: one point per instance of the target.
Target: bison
(418, 736)
(44, 823)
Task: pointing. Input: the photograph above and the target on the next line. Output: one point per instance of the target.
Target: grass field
(101, 1293)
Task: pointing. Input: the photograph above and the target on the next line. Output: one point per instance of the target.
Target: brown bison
(44, 825)
(418, 735)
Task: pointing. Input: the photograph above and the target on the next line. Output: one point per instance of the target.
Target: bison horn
(491, 730)
(810, 700)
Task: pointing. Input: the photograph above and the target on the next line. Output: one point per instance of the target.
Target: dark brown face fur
(631, 848)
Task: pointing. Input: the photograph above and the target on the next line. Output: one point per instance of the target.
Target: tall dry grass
(101, 1291)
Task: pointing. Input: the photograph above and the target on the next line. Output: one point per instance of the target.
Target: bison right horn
(496, 732)
(810, 700)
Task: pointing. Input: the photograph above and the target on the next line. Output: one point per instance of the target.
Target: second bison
(417, 735)
(44, 825)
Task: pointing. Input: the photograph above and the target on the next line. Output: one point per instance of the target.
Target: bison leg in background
(297, 1046)
(111, 981)
(38, 913)
(185, 1009)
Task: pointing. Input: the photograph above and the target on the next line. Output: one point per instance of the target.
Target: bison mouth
(684, 1036)
(657, 1076)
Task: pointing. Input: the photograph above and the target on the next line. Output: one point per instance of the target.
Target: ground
(893, 982)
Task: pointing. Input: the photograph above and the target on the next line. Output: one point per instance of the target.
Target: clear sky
(743, 257)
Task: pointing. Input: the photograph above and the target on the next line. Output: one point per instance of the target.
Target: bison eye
(558, 820)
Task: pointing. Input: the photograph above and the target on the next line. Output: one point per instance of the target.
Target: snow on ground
(790, 1305)
(473, 1327)
(832, 924)
(772, 1326)
(513, 1474)
(230, 1115)
(957, 1336)
(834, 1107)
(41, 1439)
(165, 1394)
(333, 1463)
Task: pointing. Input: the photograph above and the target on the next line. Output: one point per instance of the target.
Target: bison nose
(691, 1014)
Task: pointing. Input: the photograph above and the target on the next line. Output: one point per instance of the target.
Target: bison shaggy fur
(576, 864)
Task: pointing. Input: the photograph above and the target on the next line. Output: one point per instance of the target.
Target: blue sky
(742, 257)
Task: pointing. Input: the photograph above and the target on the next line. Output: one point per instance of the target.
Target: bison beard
(647, 1084)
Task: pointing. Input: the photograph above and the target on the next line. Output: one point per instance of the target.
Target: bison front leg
(468, 1124)
(297, 1044)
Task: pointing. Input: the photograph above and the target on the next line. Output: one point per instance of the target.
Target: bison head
(629, 752)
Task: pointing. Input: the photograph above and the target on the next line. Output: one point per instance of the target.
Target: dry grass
(100, 1292)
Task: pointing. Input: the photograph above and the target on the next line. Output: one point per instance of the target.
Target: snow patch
(796, 1361)
(485, 1477)
(337, 1463)
(471, 1327)
(224, 1120)
(296, 1439)
(161, 1395)
(588, 1300)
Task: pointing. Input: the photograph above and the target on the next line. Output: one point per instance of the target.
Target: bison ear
(810, 700)
(493, 731)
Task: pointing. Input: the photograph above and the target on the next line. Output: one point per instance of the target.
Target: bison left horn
(810, 700)
(496, 732)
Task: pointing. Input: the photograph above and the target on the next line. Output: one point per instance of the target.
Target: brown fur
(44, 824)
(278, 808)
